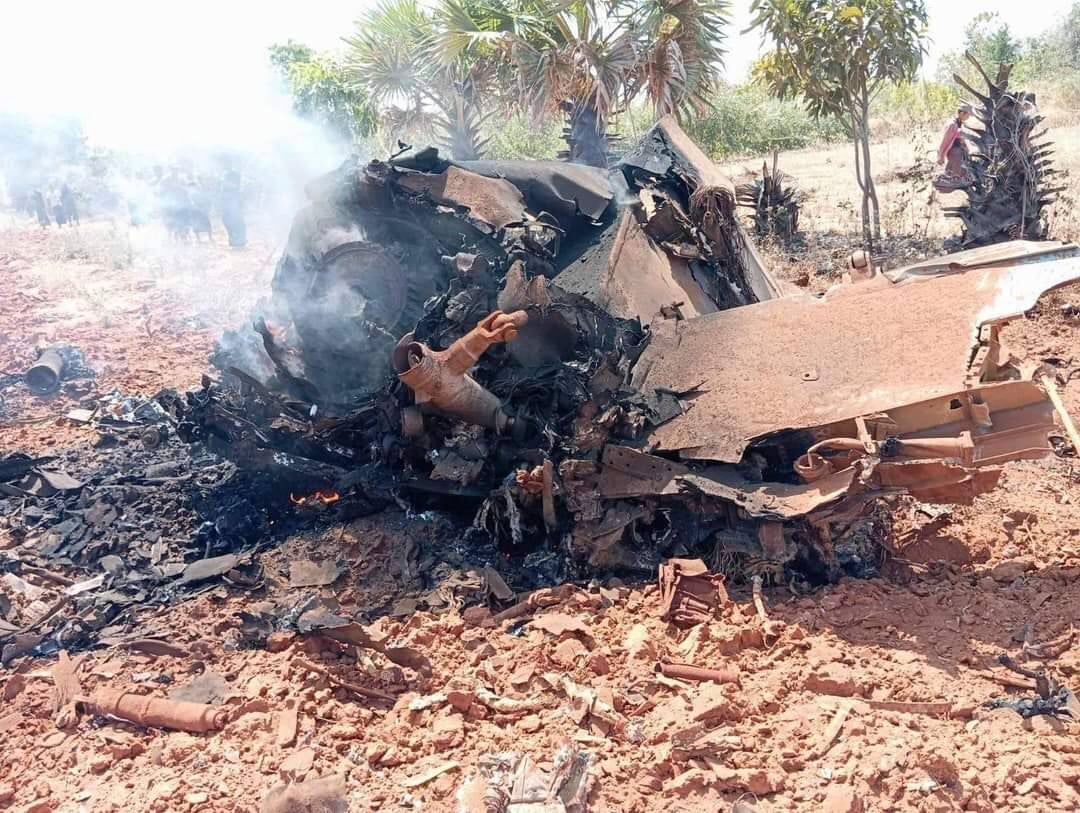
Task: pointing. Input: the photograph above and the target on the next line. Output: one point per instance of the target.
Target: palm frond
(387, 56)
(458, 32)
(685, 46)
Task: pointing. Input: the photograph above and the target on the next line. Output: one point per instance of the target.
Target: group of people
(186, 203)
(56, 202)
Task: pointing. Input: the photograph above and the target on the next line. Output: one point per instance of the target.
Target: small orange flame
(324, 497)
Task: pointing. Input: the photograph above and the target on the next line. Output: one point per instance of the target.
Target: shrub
(1058, 96)
(519, 137)
(745, 120)
(900, 107)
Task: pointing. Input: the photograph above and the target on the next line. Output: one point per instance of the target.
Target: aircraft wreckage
(598, 362)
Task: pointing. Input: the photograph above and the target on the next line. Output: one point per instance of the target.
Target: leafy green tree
(837, 55)
(284, 54)
(989, 40)
(322, 91)
(1055, 50)
(591, 58)
(986, 37)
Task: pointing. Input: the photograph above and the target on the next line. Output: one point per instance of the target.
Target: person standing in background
(52, 200)
(37, 203)
(232, 209)
(201, 203)
(953, 150)
(67, 203)
(173, 200)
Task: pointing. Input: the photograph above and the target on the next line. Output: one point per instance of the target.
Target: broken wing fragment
(800, 364)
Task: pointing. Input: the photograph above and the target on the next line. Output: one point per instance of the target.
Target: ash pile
(592, 371)
(138, 518)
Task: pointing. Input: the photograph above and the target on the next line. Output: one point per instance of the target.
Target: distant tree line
(991, 41)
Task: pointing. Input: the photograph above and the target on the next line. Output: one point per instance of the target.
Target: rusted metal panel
(642, 278)
(558, 187)
(762, 282)
(491, 200)
(801, 362)
(772, 500)
(629, 473)
(937, 481)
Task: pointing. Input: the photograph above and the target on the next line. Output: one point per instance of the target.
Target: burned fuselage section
(598, 364)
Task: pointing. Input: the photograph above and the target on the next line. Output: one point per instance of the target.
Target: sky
(198, 67)
(948, 18)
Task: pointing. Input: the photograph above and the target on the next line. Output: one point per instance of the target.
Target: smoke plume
(165, 83)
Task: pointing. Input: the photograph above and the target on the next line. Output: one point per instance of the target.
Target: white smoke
(161, 82)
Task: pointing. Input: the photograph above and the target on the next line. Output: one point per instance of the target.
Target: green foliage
(1060, 46)
(836, 54)
(745, 120)
(388, 54)
(282, 55)
(518, 137)
(394, 56)
(988, 39)
(592, 58)
(1050, 58)
(901, 106)
(682, 43)
(321, 91)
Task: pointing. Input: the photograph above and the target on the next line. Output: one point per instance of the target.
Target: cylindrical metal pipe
(961, 448)
(460, 396)
(684, 671)
(44, 376)
(440, 380)
(158, 712)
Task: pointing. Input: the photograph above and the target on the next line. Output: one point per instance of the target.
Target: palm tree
(684, 53)
(392, 59)
(591, 58)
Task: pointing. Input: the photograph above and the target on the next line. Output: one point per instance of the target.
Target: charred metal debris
(596, 364)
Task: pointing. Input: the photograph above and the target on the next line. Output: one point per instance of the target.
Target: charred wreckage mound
(596, 364)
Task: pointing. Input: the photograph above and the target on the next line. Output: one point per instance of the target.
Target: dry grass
(909, 205)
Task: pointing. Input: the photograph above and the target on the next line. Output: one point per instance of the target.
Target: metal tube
(962, 448)
(158, 712)
(44, 376)
(685, 671)
(440, 380)
(434, 383)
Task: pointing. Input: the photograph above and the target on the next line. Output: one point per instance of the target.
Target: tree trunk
(869, 190)
(860, 140)
(860, 179)
(458, 126)
(586, 136)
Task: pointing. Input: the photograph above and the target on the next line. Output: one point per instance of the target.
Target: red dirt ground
(798, 733)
